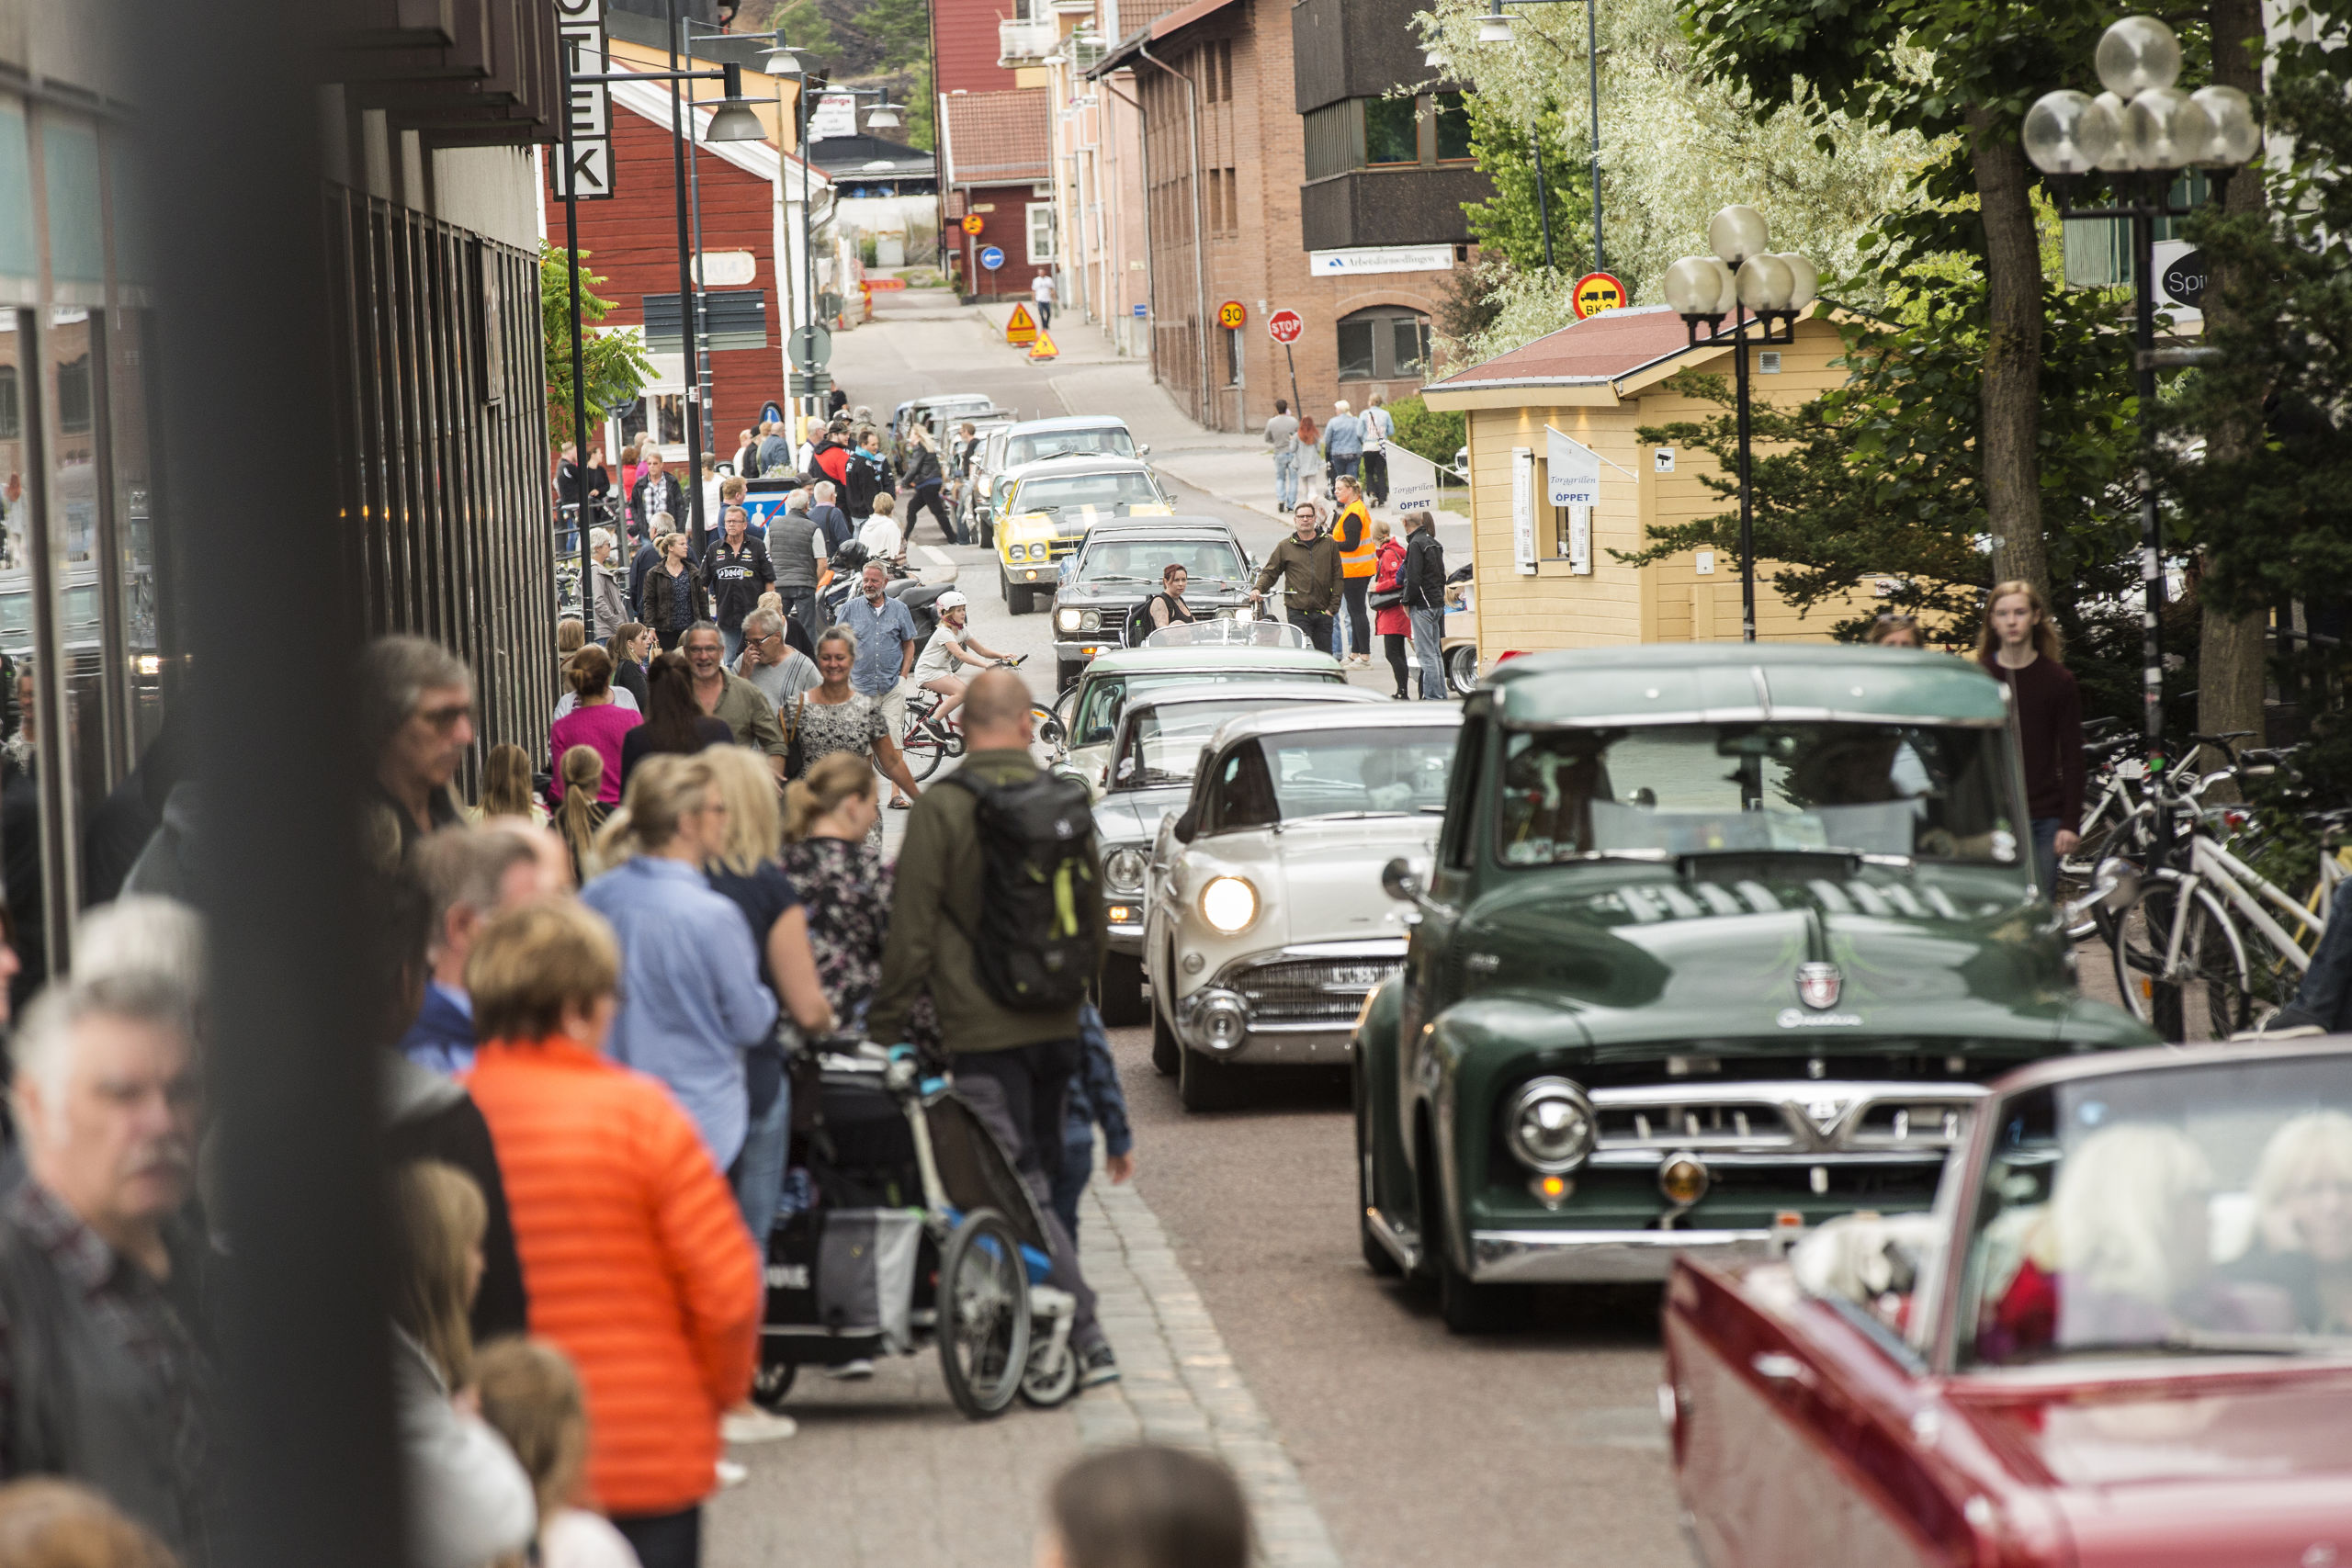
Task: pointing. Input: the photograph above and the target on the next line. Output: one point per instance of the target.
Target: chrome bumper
(1565, 1256)
(1278, 1040)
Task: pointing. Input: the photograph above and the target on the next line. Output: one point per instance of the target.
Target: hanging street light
(884, 116)
(1495, 27)
(734, 119)
(1743, 278)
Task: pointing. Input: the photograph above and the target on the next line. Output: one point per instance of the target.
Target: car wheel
(1463, 1305)
(1376, 1258)
(1165, 1051)
(1121, 986)
(1204, 1083)
(1004, 586)
(1024, 600)
(1462, 669)
(1066, 674)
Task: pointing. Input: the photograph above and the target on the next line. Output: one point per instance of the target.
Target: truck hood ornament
(1819, 985)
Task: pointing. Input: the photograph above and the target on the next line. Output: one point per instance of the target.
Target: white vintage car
(1265, 925)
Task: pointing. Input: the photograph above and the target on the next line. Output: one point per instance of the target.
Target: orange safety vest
(1360, 561)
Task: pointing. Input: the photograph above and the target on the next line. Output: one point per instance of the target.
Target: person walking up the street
(996, 915)
(1343, 441)
(869, 477)
(1379, 430)
(674, 595)
(630, 646)
(598, 721)
(747, 452)
(1309, 566)
(656, 491)
(838, 529)
(887, 645)
(582, 816)
(642, 564)
(1282, 434)
(1147, 1505)
(739, 572)
(835, 860)
(465, 876)
(1392, 623)
(940, 667)
(775, 451)
(638, 1264)
(839, 716)
(924, 477)
(1352, 531)
(1424, 584)
(1094, 1097)
(2022, 649)
(531, 1396)
(1041, 298)
(607, 603)
(797, 549)
(1306, 464)
(880, 533)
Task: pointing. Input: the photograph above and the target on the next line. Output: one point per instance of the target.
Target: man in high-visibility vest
(1352, 531)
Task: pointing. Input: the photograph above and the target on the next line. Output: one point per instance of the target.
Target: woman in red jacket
(636, 1257)
(1394, 626)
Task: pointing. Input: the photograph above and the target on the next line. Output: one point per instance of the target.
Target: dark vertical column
(232, 133)
(1747, 490)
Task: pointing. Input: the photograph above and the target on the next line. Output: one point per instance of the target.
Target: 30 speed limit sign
(1284, 326)
(1230, 315)
(972, 224)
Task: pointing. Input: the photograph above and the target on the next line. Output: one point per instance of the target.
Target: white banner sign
(1412, 481)
(835, 115)
(1573, 471)
(1380, 259)
(1523, 509)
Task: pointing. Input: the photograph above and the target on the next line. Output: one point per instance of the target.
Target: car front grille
(1313, 991)
(1886, 1119)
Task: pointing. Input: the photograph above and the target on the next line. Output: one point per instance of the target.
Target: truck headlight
(1065, 620)
(1229, 904)
(1549, 1125)
(1090, 620)
(1123, 869)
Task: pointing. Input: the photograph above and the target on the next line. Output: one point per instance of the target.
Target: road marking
(936, 555)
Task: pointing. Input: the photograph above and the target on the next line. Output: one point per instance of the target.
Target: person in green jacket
(1012, 1067)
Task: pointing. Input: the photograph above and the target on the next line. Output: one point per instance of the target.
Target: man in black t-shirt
(739, 572)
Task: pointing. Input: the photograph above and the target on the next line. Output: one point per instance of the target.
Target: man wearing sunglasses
(417, 717)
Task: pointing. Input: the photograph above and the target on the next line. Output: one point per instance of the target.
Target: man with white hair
(830, 517)
(416, 710)
(104, 1376)
(607, 603)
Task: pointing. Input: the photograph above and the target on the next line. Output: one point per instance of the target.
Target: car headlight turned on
(1229, 903)
(1550, 1126)
(1123, 869)
(1065, 620)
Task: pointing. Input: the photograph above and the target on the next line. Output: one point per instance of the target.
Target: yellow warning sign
(1043, 347)
(1021, 327)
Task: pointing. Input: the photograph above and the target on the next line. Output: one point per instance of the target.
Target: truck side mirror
(1186, 826)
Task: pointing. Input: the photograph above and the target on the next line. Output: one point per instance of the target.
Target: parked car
(2122, 1336)
(1722, 940)
(1090, 711)
(1046, 507)
(1266, 925)
(1119, 565)
(1087, 435)
(939, 414)
(1160, 742)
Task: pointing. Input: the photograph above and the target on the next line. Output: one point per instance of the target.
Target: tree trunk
(2230, 662)
(2012, 391)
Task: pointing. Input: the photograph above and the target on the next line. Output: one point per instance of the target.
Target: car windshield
(1228, 634)
(1048, 494)
(2181, 1211)
(1111, 440)
(1142, 560)
(1103, 700)
(1925, 791)
(1335, 774)
(1163, 744)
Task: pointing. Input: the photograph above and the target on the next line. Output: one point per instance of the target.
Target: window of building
(1232, 355)
(1041, 232)
(1452, 124)
(1358, 133)
(1389, 132)
(1383, 343)
(1216, 71)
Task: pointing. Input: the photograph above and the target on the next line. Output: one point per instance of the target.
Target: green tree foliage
(804, 25)
(1883, 478)
(902, 26)
(1509, 224)
(2274, 521)
(1425, 431)
(613, 364)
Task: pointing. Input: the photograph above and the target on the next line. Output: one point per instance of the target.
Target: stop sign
(1284, 326)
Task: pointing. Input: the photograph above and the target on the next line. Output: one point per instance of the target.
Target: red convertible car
(2122, 1336)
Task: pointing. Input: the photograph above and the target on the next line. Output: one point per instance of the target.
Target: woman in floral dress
(835, 718)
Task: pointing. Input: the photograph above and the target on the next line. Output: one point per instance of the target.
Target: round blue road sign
(991, 257)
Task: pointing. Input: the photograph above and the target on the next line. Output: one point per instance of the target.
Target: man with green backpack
(998, 913)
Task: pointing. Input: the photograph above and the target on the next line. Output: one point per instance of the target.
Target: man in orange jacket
(636, 1255)
(1352, 531)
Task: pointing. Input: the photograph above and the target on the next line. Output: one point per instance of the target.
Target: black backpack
(1036, 949)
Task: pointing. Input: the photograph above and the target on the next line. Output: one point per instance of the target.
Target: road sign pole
(1292, 362)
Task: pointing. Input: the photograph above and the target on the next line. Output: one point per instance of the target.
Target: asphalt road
(1537, 1444)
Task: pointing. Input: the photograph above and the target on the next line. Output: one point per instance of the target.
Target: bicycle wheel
(983, 1303)
(2216, 999)
(922, 747)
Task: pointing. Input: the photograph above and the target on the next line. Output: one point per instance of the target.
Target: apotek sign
(579, 24)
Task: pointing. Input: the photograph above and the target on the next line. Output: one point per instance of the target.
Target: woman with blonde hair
(531, 1396)
(691, 974)
(2303, 1206)
(2022, 649)
(837, 718)
(470, 1502)
(583, 812)
(744, 869)
(507, 787)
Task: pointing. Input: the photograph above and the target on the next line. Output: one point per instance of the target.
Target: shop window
(11, 418)
(1383, 342)
(1390, 135)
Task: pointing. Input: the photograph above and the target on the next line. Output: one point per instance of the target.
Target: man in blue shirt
(829, 517)
(887, 645)
(1343, 441)
(468, 874)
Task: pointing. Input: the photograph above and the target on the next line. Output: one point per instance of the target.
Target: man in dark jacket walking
(1013, 1067)
(1423, 581)
(656, 490)
(924, 477)
(1309, 565)
(797, 547)
(739, 572)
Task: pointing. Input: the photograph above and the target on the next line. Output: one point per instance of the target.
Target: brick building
(997, 162)
(1276, 174)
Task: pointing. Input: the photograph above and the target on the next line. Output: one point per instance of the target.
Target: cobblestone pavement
(886, 1472)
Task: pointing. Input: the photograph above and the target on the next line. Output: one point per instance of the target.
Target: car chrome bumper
(1068, 651)
(1268, 989)
(1567, 1257)
(1124, 938)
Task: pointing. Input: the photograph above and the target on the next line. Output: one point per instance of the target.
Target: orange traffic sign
(1230, 314)
(1043, 347)
(1021, 326)
(1596, 292)
(972, 224)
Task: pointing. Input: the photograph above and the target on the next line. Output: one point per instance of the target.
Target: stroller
(921, 1231)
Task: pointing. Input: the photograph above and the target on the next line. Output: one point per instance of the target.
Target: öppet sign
(1284, 326)
(1596, 292)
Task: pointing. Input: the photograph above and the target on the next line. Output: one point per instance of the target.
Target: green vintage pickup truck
(1721, 941)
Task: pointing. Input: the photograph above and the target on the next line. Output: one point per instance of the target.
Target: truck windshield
(1932, 792)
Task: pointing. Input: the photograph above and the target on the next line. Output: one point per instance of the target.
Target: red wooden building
(754, 280)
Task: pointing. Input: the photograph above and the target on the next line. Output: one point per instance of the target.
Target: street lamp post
(1493, 27)
(1741, 278)
(2141, 133)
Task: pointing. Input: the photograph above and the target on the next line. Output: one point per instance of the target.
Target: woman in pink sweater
(598, 721)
